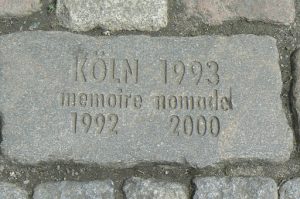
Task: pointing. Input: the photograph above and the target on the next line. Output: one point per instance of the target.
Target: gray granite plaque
(119, 101)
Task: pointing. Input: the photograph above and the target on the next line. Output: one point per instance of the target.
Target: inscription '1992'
(100, 122)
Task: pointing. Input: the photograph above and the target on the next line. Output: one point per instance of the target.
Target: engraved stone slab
(235, 188)
(119, 101)
(71, 189)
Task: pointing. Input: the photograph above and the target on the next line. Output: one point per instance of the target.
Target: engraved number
(197, 71)
(99, 122)
(177, 72)
(214, 67)
(214, 126)
(175, 120)
(201, 125)
(188, 125)
(114, 121)
(86, 122)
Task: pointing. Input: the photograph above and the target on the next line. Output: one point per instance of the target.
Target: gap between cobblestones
(28, 176)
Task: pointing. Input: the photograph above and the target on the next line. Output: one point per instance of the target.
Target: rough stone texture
(290, 189)
(137, 188)
(215, 12)
(233, 100)
(19, 7)
(74, 190)
(296, 82)
(11, 191)
(235, 188)
(146, 15)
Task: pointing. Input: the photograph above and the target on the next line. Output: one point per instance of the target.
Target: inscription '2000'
(96, 67)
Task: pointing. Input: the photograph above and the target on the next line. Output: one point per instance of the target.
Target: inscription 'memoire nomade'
(119, 101)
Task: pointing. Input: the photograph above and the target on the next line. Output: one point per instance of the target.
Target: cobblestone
(11, 191)
(10, 8)
(290, 189)
(137, 188)
(72, 190)
(215, 12)
(296, 79)
(146, 15)
(235, 188)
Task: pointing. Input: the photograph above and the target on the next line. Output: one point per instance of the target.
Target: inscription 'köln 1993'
(97, 68)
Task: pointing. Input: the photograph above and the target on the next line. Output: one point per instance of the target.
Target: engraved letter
(82, 99)
(129, 70)
(101, 65)
(160, 102)
(80, 64)
(68, 99)
(172, 102)
(112, 72)
(112, 100)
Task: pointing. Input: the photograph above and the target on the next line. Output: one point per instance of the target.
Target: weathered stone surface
(146, 15)
(235, 188)
(215, 12)
(136, 188)
(52, 106)
(290, 189)
(70, 189)
(296, 81)
(11, 191)
(19, 8)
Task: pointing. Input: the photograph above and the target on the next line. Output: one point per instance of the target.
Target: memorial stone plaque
(120, 101)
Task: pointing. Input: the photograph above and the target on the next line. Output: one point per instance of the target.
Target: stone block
(120, 101)
(72, 190)
(290, 189)
(11, 8)
(235, 188)
(11, 191)
(215, 12)
(146, 15)
(136, 188)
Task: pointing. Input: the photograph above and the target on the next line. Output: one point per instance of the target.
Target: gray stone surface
(137, 188)
(215, 12)
(290, 189)
(146, 15)
(75, 190)
(296, 81)
(235, 188)
(19, 7)
(149, 114)
(11, 191)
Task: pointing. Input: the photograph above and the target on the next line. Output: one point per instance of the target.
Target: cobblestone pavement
(149, 99)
